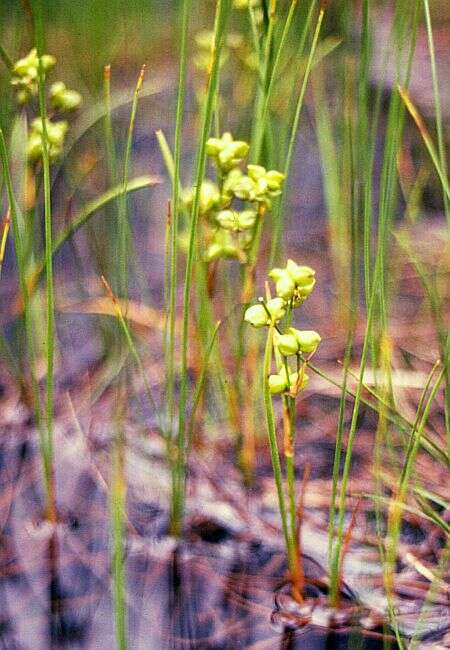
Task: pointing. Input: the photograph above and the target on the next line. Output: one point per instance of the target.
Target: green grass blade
(222, 10)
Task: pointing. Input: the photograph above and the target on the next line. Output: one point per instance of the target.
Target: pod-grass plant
(45, 141)
(232, 208)
(291, 349)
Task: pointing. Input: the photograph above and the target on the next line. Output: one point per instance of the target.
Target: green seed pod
(287, 344)
(227, 152)
(245, 4)
(228, 219)
(257, 316)
(276, 273)
(302, 275)
(247, 219)
(236, 221)
(214, 146)
(256, 171)
(307, 340)
(24, 95)
(214, 252)
(243, 188)
(223, 245)
(228, 185)
(209, 196)
(274, 179)
(277, 384)
(276, 308)
(285, 287)
(268, 183)
(305, 290)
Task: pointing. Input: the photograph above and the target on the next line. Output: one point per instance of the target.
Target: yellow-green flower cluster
(62, 98)
(294, 282)
(24, 77)
(235, 45)
(204, 40)
(293, 285)
(25, 74)
(226, 152)
(228, 230)
(257, 186)
(286, 381)
(56, 133)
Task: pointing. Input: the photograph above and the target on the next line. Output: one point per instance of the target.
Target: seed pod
(287, 344)
(257, 316)
(307, 340)
(277, 384)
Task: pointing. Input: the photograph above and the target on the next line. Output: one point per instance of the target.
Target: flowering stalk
(293, 285)
(231, 211)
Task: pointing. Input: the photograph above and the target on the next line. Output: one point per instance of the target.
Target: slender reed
(175, 212)
(50, 332)
(278, 216)
(123, 224)
(178, 496)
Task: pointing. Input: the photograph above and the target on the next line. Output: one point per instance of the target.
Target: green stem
(118, 531)
(50, 332)
(178, 496)
(123, 224)
(176, 187)
(28, 322)
(274, 453)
